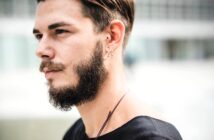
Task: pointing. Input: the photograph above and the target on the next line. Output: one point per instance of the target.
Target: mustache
(51, 66)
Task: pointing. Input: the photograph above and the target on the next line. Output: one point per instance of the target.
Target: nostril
(45, 51)
(45, 57)
(39, 52)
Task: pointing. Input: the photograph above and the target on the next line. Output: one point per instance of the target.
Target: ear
(114, 37)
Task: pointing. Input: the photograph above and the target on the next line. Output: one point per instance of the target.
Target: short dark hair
(39, 1)
(102, 12)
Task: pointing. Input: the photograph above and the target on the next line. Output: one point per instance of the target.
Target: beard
(91, 76)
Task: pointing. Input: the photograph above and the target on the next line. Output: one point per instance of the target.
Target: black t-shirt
(139, 128)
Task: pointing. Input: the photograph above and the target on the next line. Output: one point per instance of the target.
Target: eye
(60, 31)
(38, 36)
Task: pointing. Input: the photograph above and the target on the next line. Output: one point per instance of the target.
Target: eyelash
(38, 36)
(60, 31)
(57, 32)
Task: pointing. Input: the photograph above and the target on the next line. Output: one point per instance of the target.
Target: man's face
(71, 52)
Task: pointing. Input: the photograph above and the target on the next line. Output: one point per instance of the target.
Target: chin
(57, 84)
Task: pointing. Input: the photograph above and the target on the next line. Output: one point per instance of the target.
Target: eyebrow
(56, 25)
(36, 31)
(52, 26)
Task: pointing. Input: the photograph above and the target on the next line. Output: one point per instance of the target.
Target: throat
(109, 116)
(98, 119)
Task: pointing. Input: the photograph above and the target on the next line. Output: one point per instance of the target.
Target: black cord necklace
(109, 116)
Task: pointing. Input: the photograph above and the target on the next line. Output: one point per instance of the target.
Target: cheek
(75, 51)
(71, 76)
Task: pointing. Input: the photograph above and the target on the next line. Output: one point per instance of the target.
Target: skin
(76, 44)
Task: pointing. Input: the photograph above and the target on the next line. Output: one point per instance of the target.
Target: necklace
(109, 116)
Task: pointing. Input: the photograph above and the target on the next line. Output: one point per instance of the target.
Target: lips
(49, 73)
(50, 68)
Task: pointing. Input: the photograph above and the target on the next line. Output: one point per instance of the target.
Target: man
(81, 44)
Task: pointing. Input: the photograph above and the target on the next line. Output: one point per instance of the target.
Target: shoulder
(76, 130)
(153, 129)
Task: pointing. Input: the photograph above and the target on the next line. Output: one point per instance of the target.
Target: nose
(45, 49)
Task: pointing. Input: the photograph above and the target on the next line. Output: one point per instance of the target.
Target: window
(176, 9)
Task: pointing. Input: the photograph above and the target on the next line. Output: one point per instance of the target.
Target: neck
(94, 113)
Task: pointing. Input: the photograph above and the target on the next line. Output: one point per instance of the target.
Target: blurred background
(169, 64)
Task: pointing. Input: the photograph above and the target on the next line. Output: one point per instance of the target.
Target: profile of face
(71, 53)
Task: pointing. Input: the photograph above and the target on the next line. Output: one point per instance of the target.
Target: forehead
(51, 11)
